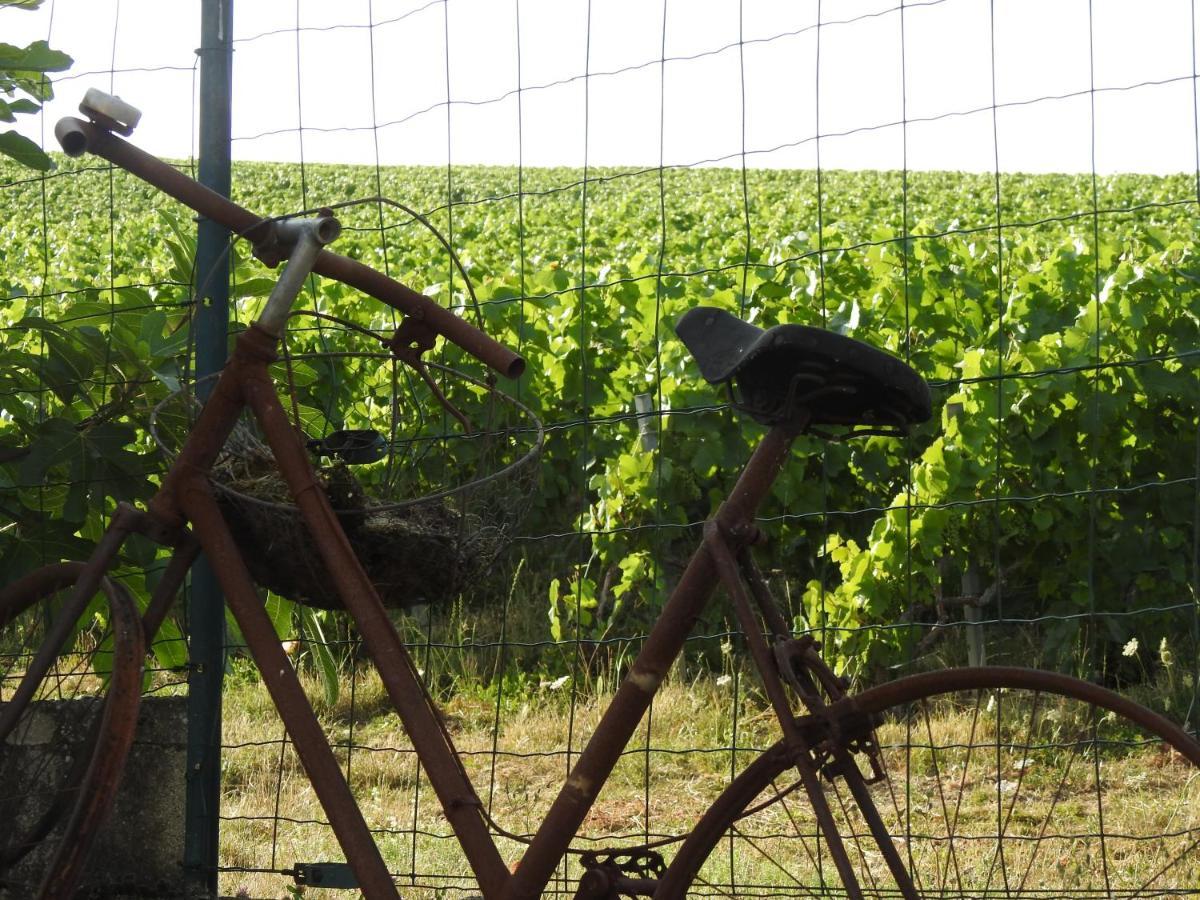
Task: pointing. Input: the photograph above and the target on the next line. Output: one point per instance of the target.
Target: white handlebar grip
(114, 108)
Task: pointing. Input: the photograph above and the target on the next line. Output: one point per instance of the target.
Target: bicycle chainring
(611, 873)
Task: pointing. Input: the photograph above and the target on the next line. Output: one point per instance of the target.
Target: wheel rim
(1002, 783)
(69, 744)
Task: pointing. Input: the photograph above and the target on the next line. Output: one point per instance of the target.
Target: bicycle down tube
(185, 496)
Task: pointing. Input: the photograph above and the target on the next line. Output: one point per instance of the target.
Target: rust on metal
(115, 736)
(286, 692)
(96, 773)
(78, 136)
(756, 480)
(43, 580)
(412, 338)
(663, 644)
(970, 678)
(731, 578)
(90, 578)
(405, 299)
(168, 586)
(208, 435)
(185, 496)
(396, 670)
(133, 520)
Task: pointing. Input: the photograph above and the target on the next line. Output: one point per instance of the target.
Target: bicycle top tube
(77, 137)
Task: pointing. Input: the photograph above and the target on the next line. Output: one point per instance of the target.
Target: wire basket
(454, 476)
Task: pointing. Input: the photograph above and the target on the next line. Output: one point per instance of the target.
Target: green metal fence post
(206, 608)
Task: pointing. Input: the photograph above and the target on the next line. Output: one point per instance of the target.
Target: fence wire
(1049, 514)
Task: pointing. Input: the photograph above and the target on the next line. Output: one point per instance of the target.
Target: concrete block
(138, 852)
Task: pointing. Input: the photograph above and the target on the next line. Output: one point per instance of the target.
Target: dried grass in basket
(416, 550)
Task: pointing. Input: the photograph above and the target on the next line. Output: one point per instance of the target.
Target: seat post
(757, 478)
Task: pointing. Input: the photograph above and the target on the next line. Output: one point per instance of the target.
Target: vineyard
(1056, 317)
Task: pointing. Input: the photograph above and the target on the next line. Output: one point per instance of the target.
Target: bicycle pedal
(353, 446)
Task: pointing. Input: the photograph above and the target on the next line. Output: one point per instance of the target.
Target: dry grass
(957, 782)
(518, 781)
(675, 768)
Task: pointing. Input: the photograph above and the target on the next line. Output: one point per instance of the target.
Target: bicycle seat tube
(662, 646)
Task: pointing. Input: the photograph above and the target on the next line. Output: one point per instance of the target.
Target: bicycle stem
(307, 237)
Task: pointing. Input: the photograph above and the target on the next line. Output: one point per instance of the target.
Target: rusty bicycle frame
(184, 516)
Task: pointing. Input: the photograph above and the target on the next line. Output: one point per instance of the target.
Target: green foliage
(1061, 456)
(23, 71)
(1071, 477)
(313, 628)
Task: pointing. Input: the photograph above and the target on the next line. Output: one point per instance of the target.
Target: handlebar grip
(77, 137)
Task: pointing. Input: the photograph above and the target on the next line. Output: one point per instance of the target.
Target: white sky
(338, 74)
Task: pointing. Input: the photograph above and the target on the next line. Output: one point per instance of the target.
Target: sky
(1110, 84)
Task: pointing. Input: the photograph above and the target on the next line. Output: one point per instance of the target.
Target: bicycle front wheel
(999, 782)
(64, 734)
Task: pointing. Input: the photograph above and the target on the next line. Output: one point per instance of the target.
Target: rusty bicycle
(970, 782)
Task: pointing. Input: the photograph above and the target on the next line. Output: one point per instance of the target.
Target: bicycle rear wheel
(63, 747)
(1000, 783)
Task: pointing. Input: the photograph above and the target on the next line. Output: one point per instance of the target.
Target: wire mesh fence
(951, 180)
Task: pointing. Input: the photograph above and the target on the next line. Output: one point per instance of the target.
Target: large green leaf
(10, 109)
(322, 655)
(280, 611)
(170, 647)
(36, 57)
(25, 151)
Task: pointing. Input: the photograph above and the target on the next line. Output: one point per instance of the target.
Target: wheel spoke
(1058, 793)
(812, 858)
(1022, 767)
(914, 872)
(771, 858)
(996, 801)
(951, 855)
(856, 836)
(1100, 802)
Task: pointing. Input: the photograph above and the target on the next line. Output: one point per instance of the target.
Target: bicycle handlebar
(77, 136)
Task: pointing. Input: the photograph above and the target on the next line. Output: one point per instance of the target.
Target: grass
(962, 770)
(530, 761)
(959, 769)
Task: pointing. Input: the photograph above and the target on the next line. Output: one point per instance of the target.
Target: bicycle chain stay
(841, 729)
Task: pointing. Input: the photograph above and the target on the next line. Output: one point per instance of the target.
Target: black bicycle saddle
(788, 372)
